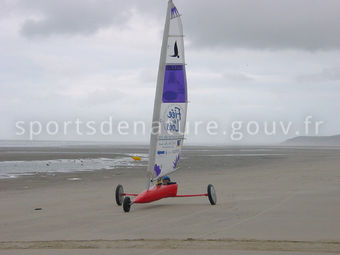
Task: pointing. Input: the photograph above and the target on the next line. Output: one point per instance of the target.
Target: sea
(22, 158)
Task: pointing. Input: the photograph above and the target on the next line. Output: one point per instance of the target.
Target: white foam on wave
(74, 179)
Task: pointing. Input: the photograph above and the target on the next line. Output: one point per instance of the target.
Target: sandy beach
(271, 200)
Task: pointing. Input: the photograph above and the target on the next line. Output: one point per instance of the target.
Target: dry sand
(283, 203)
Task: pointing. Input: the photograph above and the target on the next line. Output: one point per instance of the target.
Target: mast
(158, 97)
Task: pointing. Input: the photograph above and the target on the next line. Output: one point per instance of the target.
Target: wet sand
(270, 201)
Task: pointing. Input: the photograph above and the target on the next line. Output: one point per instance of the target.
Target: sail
(170, 107)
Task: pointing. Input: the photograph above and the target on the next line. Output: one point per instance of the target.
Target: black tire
(127, 204)
(212, 194)
(119, 196)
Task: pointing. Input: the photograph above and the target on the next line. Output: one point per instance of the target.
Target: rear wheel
(127, 204)
(119, 196)
(212, 194)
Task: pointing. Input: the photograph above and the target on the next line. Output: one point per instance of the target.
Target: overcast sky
(246, 60)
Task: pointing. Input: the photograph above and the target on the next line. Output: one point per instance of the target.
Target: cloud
(238, 77)
(263, 24)
(103, 96)
(326, 75)
(72, 17)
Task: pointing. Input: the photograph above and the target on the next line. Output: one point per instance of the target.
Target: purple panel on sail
(174, 90)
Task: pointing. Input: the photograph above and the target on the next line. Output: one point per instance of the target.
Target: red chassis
(155, 193)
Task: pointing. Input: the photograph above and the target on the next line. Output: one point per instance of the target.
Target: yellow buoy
(136, 158)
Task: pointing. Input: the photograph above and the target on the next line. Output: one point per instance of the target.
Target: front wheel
(212, 194)
(119, 196)
(127, 204)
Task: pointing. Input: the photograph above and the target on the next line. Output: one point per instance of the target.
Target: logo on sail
(175, 51)
(157, 169)
(174, 13)
(174, 117)
(175, 162)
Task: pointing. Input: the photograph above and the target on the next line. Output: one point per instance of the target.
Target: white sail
(170, 108)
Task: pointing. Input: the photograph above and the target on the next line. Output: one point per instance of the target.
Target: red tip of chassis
(157, 192)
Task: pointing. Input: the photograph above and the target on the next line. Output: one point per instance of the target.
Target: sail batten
(170, 107)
